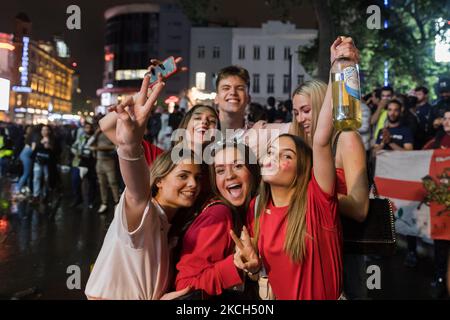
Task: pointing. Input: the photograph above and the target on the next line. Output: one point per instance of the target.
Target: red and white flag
(398, 176)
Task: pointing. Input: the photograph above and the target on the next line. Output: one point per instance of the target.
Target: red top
(150, 152)
(445, 143)
(319, 275)
(206, 260)
(341, 185)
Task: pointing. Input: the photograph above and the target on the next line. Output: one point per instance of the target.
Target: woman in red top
(442, 139)
(441, 247)
(350, 155)
(206, 262)
(297, 226)
(351, 170)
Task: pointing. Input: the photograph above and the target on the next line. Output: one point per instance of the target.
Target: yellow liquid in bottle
(346, 108)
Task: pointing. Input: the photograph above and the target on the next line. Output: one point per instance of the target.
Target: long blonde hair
(294, 243)
(314, 90)
(163, 165)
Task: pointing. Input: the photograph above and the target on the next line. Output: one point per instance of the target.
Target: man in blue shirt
(394, 136)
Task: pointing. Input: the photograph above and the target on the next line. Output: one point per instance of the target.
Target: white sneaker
(102, 208)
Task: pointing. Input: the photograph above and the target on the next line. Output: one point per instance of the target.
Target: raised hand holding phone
(132, 119)
(167, 69)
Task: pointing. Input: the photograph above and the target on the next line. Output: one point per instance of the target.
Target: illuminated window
(130, 74)
(200, 80)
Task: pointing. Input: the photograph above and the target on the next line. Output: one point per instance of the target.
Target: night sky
(86, 45)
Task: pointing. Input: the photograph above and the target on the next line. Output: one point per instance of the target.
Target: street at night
(225, 150)
(38, 244)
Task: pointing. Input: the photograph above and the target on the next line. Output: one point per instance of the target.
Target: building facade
(6, 73)
(211, 50)
(265, 52)
(43, 85)
(41, 81)
(135, 34)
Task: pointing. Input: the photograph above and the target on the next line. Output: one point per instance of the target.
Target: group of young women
(177, 236)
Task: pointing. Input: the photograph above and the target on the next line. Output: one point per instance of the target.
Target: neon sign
(25, 62)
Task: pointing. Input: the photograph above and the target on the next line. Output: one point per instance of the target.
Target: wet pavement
(39, 242)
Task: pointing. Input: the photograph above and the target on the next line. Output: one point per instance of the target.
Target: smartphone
(167, 69)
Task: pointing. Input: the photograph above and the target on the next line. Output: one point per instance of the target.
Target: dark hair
(410, 102)
(288, 104)
(187, 117)
(257, 112)
(253, 167)
(387, 88)
(233, 71)
(397, 102)
(421, 88)
(377, 92)
(271, 101)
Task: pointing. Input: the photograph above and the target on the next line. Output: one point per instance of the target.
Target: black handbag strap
(335, 142)
(375, 191)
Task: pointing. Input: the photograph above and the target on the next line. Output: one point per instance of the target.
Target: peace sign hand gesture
(245, 257)
(133, 114)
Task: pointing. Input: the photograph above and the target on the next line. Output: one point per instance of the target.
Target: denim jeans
(25, 157)
(40, 171)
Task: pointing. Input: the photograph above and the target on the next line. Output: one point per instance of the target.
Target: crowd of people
(260, 221)
(34, 156)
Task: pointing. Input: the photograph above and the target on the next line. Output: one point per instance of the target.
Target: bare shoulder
(350, 141)
(350, 146)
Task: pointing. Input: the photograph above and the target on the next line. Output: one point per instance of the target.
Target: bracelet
(130, 159)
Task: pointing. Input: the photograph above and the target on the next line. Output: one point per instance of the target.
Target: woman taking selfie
(206, 262)
(134, 262)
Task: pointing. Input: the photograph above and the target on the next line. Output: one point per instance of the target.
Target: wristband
(130, 159)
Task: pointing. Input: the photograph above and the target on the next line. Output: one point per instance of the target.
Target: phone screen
(169, 68)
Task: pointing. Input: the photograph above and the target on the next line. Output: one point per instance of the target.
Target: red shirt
(319, 275)
(445, 143)
(207, 256)
(150, 152)
(341, 184)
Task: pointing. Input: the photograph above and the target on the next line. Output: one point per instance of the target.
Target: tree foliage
(406, 45)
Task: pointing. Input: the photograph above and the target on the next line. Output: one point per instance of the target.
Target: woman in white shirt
(134, 262)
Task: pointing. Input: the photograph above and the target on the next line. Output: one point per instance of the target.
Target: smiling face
(386, 95)
(393, 112)
(232, 95)
(446, 122)
(303, 112)
(279, 167)
(201, 121)
(181, 187)
(233, 179)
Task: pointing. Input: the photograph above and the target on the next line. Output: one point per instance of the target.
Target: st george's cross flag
(398, 176)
